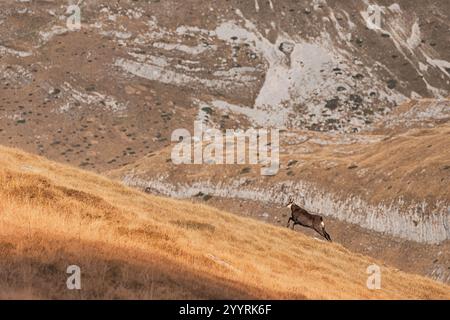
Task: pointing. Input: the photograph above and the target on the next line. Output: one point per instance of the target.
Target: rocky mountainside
(113, 91)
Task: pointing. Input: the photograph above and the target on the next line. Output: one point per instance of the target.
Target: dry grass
(132, 245)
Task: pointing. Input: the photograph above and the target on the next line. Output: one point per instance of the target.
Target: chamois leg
(327, 236)
(289, 222)
(323, 233)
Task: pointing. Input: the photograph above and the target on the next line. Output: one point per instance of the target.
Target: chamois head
(290, 202)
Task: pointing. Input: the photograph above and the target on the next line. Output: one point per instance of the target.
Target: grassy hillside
(395, 183)
(132, 245)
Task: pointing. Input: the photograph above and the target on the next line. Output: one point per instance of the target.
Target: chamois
(304, 218)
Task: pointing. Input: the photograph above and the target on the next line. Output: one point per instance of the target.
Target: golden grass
(133, 245)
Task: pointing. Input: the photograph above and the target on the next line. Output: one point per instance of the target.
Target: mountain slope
(129, 244)
(394, 182)
(114, 91)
